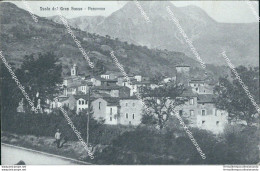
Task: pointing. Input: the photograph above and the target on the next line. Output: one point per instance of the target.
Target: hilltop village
(114, 99)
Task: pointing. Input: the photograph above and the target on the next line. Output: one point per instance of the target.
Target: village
(139, 83)
(114, 99)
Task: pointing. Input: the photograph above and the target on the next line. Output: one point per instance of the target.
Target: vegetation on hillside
(26, 38)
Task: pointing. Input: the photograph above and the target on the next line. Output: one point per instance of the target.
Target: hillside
(21, 36)
(241, 40)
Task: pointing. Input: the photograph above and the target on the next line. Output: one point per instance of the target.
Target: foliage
(161, 102)
(46, 125)
(150, 146)
(233, 98)
(38, 75)
(10, 93)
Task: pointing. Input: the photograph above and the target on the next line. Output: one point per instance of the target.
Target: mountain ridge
(209, 37)
(21, 36)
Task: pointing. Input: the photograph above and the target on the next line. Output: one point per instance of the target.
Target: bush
(46, 125)
(146, 145)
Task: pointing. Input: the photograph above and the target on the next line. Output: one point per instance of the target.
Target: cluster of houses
(114, 99)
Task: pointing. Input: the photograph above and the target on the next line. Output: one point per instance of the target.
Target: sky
(221, 11)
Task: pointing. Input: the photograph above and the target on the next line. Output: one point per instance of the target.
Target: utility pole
(89, 89)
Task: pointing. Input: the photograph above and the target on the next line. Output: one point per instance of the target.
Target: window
(216, 112)
(126, 104)
(191, 112)
(191, 101)
(203, 122)
(129, 122)
(180, 112)
(111, 111)
(79, 102)
(99, 105)
(83, 102)
(217, 123)
(133, 116)
(110, 118)
(203, 112)
(126, 115)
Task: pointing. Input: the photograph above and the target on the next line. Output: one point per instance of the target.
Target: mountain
(21, 36)
(83, 23)
(240, 40)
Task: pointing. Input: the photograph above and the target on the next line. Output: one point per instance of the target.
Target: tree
(161, 102)
(98, 69)
(40, 76)
(10, 93)
(233, 98)
(157, 78)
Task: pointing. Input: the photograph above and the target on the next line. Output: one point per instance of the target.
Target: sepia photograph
(129, 83)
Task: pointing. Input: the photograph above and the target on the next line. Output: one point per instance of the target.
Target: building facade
(130, 111)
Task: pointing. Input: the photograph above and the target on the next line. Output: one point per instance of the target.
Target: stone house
(81, 102)
(110, 75)
(106, 108)
(130, 111)
(108, 82)
(209, 117)
(69, 102)
(96, 80)
(201, 112)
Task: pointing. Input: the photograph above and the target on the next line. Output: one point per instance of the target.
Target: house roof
(196, 81)
(112, 101)
(129, 98)
(188, 93)
(131, 79)
(205, 98)
(100, 95)
(74, 83)
(63, 98)
(83, 96)
(96, 77)
(112, 72)
(108, 80)
(84, 82)
(114, 87)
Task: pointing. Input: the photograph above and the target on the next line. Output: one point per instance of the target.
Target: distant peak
(196, 11)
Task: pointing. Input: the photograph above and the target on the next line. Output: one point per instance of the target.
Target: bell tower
(74, 70)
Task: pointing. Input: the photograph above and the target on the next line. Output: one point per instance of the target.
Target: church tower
(74, 70)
